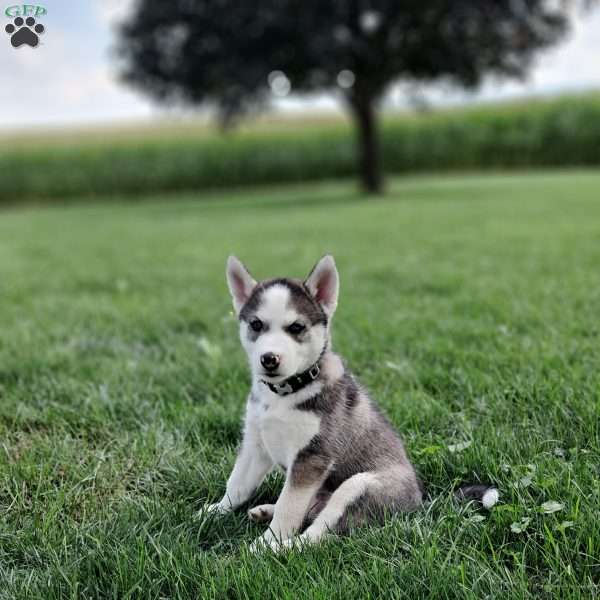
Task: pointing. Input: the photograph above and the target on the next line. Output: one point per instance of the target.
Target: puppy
(307, 414)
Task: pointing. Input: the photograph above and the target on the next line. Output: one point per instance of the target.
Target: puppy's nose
(270, 361)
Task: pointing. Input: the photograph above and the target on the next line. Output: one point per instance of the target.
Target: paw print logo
(24, 32)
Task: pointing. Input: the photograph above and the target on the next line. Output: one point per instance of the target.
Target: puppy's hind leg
(365, 497)
(341, 499)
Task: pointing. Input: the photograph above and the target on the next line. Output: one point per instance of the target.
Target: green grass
(191, 156)
(469, 307)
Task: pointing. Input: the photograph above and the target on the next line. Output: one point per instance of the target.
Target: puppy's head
(284, 323)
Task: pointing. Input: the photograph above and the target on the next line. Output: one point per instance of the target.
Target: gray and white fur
(344, 463)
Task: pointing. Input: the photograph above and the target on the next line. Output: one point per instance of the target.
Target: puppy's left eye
(296, 328)
(256, 325)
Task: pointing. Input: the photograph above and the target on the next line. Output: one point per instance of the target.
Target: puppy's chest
(286, 430)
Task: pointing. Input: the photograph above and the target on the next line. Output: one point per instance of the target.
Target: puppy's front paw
(262, 513)
(217, 508)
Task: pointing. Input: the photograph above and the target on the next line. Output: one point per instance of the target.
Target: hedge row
(563, 132)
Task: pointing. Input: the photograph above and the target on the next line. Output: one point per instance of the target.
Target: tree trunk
(369, 151)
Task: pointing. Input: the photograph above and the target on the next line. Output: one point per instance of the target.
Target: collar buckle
(314, 371)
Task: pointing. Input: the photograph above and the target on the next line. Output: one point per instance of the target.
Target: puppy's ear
(240, 283)
(324, 283)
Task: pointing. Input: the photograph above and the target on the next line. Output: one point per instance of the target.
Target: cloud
(68, 78)
(113, 11)
(576, 62)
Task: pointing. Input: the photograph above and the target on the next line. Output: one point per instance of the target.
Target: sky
(70, 78)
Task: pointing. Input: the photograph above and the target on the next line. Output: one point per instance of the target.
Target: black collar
(295, 382)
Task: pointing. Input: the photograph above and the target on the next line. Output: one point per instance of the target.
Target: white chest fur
(286, 430)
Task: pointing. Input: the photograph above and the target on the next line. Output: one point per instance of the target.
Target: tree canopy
(233, 55)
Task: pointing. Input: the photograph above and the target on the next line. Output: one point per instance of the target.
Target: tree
(232, 54)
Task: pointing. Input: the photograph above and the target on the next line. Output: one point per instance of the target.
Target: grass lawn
(469, 306)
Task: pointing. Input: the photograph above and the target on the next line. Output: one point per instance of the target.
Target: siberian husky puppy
(307, 414)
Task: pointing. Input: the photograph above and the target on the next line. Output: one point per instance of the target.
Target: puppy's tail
(484, 494)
